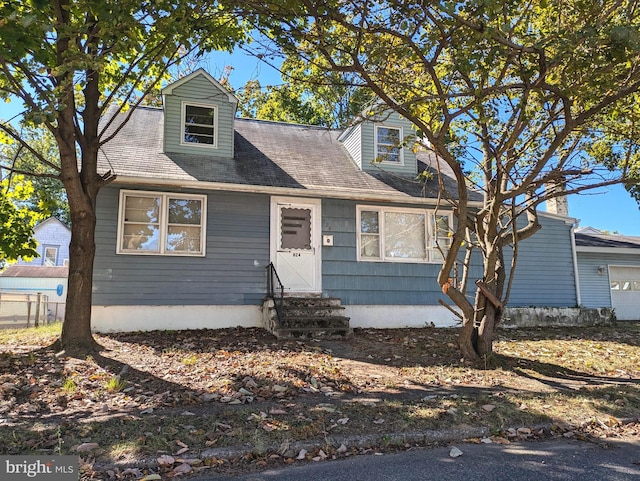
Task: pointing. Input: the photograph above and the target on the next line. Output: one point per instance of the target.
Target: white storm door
(295, 243)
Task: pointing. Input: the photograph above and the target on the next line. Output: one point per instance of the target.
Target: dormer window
(200, 122)
(388, 144)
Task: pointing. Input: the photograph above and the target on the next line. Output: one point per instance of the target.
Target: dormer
(198, 116)
(382, 142)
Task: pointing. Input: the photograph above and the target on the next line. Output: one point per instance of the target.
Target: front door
(295, 243)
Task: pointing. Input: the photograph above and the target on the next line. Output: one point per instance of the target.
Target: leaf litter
(246, 387)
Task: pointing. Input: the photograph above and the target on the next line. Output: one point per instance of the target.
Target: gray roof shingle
(606, 240)
(269, 154)
(35, 271)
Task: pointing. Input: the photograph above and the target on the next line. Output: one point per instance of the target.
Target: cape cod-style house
(211, 214)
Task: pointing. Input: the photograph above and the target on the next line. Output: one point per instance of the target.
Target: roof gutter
(575, 262)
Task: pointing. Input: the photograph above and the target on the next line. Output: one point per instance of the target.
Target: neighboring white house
(27, 282)
(45, 275)
(609, 272)
(53, 239)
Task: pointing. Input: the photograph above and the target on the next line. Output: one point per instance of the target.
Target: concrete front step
(333, 322)
(313, 311)
(311, 301)
(305, 317)
(310, 332)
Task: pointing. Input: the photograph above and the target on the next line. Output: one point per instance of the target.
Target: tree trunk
(484, 341)
(467, 338)
(467, 341)
(491, 313)
(76, 337)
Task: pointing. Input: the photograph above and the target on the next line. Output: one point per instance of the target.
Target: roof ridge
(292, 124)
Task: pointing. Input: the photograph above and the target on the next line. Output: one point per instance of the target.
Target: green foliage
(75, 63)
(512, 96)
(16, 220)
(69, 386)
(49, 197)
(115, 384)
(310, 96)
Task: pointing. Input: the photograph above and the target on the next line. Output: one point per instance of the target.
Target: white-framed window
(161, 223)
(50, 256)
(388, 140)
(402, 235)
(199, 124)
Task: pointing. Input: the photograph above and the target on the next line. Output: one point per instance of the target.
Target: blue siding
(595, 288)
(370, 283)
(232, 273)
(544, 274)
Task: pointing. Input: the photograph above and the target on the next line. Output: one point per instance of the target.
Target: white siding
(50, 233)
(353, 143)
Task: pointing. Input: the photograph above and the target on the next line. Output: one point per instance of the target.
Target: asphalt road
(533, 461)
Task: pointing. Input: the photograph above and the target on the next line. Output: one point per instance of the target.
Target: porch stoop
(306, 317)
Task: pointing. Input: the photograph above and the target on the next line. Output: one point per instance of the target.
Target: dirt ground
(246, 388)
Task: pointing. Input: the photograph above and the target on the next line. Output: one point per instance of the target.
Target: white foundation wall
(394, 317)
(172, 318)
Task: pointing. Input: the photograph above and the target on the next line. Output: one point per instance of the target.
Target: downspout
(575, 262)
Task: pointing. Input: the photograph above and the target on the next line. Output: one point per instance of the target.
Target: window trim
(430, 234)
(400, 148)
(183, 122)
(163, 222)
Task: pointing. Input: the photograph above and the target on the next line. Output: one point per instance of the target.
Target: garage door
(625, 292)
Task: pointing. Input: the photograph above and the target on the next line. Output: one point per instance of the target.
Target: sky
(611, 209)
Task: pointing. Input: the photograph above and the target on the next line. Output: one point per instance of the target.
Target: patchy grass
(182, 393)
(29, 337)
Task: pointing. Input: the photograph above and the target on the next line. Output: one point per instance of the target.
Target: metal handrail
(278, 300)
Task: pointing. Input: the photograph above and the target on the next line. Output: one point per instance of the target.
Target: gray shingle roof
(269, 154)
(606, 240)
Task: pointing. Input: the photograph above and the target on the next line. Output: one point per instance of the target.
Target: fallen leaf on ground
(84, 447)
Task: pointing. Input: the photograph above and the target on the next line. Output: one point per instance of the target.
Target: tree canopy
(49, 195)
(520, 100)
(68, 62)
(308, 96)
(17, 220)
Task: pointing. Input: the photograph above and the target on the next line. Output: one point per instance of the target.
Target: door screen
(295, 228)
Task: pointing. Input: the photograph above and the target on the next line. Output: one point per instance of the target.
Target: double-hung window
(161, 223)
(402, 235)
(200, 124)
(388, 148)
